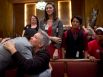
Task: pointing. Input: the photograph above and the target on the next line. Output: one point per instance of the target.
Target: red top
(49, 30)
(94, 49)
(51, 48)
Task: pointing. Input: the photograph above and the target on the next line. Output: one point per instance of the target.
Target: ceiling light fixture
(41, 5)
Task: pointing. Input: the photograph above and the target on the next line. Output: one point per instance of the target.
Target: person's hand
(4, 40)
(55, 54)
(10, 46)
(92, 58)
(56, 39)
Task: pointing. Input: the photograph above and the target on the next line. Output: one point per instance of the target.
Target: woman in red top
(54, 27)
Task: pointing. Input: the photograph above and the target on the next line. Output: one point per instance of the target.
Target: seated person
(39, 64)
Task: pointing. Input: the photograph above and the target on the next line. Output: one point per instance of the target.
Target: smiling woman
(54, 27)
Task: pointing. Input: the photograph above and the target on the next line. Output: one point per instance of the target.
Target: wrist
(13, 51)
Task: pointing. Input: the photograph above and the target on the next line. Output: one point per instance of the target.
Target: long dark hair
(54, 13)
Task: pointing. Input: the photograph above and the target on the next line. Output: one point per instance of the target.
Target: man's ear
(40, 45)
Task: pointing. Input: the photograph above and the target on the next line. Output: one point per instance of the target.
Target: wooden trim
(29, 1)
(73, 60)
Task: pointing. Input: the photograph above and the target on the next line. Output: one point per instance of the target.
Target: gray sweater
(57, 29)
(22, 45)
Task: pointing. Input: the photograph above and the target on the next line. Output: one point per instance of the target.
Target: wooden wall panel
(64, 12)
(18, 10)
(77, 7)
(30, 11)
(97, 4)
(6, 18)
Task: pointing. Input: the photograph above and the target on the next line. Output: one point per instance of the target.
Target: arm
(24, 30)
(32, 66)
(55, 39)
(92, 58)
(89, 53)
(38, 64)
(23, 33)
(60, 29)
(60, 33)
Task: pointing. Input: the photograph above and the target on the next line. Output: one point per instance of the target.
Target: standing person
(40, 61)
(74, 40)
(32, 28)
(54, 27)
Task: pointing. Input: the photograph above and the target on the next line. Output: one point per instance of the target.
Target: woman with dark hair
(54, 27)
(74, 39)
(32, 28)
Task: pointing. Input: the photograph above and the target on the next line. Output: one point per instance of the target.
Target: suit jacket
(22, 45)
(57, 29)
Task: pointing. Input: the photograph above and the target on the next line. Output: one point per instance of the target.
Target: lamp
(41, 5)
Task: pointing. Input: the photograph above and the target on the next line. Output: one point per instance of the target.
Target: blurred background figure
(89, 30)
(32, 28)
(95, 47)
(93, 17)
(95, 50)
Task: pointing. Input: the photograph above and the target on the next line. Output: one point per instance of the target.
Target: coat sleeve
(35, 65)
(60, 32)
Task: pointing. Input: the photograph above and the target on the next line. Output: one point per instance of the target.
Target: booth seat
(81, 69)
(74, 68)
(68, 68)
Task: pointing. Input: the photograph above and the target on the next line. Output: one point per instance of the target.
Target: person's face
(99, 36)
(75, 23)
(33, 20)
(49, 9)
(35, 40)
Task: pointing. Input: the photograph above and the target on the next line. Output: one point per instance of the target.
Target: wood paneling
(30, 11)
(6, 18)
(18, 10)
(64, 12)
(77, 7)
(97, 4)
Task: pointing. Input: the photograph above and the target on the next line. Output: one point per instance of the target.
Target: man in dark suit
(39, 64)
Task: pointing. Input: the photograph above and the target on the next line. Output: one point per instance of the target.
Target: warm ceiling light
(41, 5)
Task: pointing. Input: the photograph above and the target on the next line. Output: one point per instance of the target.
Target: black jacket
(36, 65)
